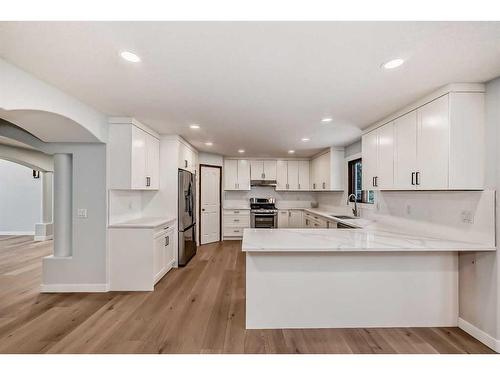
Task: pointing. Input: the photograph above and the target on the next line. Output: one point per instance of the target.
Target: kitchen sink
(343, 217)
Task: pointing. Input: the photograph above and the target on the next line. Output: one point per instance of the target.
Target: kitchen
(284, 218)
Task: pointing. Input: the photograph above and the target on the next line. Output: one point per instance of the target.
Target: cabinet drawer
(237, 212)
(237, 221)
(233, 231)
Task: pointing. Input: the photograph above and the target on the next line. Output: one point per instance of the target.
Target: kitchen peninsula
(366, 277)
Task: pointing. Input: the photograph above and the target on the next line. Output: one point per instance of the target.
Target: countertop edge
(145, 225)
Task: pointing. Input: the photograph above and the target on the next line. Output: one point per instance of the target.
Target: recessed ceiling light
(291, 151)
(393, 63)
(326, 119)
(241, 151)
(194, 126)
(305, 139)
(129, 56)
(208, 144)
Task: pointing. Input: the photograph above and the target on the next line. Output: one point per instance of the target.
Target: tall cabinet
(439, 145)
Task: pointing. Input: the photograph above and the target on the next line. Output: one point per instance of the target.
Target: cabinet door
(158, 256)
(243, 174)
(270, 169)
(405, 151)
(293, 175)
(169, 250)
(370, 155)
(324, 171)
(256, 170)
(231, 174)
(281, 174)
(138, 160)
(315, 185)
(433, 133)
(282, 219)
(385, 167)
(153, 162)
(294, 219)
(304, 175)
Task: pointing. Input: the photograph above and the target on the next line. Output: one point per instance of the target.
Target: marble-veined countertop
(143, 222)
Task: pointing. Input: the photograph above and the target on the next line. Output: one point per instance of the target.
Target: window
(355, 168)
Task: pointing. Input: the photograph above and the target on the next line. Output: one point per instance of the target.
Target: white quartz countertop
(143, 222)
(338, 240)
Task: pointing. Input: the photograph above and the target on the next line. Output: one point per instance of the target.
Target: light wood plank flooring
(196, 309)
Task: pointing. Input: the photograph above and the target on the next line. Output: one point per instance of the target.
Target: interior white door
(210, 204)
(433, 135)
(405, 153)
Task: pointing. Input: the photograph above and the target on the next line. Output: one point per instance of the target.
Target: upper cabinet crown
(236, 174)
(134, 154)
(437, 146)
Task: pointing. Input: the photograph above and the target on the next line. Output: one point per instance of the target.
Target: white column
(63, 208)
(44, 229)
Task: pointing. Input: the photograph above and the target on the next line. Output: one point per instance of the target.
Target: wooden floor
(196, 309)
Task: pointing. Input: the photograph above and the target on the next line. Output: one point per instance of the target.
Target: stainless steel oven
(263, 213)
(263, 219)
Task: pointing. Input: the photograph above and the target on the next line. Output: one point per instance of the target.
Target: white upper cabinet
(263, 170)
(304, 175)
(134, 156)
(405, 151)
(433, 129)
(292, 175)
(437, 146)
(236, 174)
(378, 164)
(327, 170)
(187, 158)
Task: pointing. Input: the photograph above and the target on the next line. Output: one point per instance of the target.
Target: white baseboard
(17, 233)
(480, 335)
(43, 238)
(71, 288)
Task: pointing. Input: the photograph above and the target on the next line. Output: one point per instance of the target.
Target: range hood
(262, 182)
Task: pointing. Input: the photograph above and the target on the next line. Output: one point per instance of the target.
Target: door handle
(417, 180)
(413, 178)
(324, 185)
(314, 185)
(203, 209)
(299, 186)
(167, 240)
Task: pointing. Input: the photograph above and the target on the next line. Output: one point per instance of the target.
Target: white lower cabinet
(290, 219)
(235, 221)
(140, 257)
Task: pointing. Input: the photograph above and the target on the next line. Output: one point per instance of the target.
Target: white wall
(210, 159)
(480, 273)
(20, 199)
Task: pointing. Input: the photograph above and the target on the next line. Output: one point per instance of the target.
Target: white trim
(480, 335)
(70, 288)
(43, 238)
(17, 233)
(133, 121)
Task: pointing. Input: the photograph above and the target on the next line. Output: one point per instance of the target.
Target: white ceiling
(253, 85)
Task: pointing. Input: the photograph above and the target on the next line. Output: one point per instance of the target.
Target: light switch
(82, 213)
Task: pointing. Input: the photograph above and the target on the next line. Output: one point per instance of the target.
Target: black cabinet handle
(373, 181)
(148, 181)
(418, 178)
(167, 240)
(413, 178)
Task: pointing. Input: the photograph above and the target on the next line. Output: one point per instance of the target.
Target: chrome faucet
(355, 209)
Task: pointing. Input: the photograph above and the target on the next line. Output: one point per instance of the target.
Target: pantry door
(210, 198)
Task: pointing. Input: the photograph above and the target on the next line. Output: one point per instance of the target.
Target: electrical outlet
(82, 213)
(467, 217)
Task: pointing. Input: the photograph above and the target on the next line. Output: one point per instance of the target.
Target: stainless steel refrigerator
(187, 217)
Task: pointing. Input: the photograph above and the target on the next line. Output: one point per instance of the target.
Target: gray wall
(20, 199)
(479, 272)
